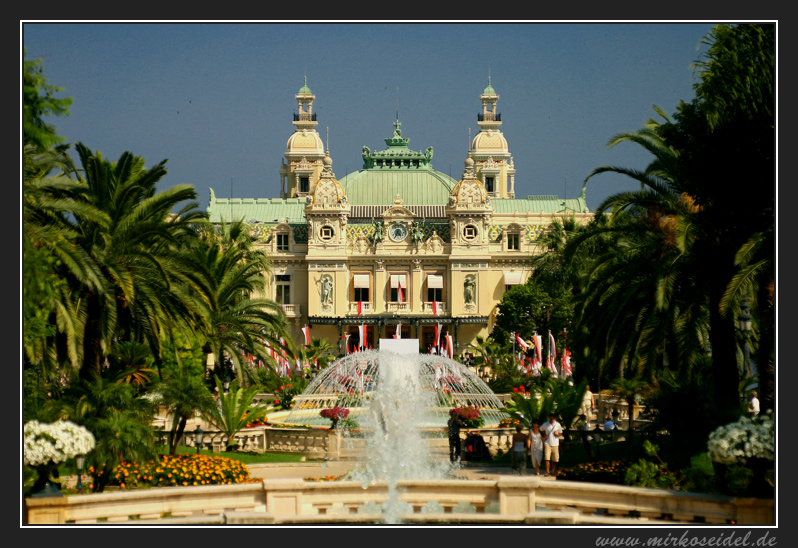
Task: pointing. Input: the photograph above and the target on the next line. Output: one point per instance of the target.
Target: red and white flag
(538, 340)
(346, 342)
(434, 308)
(363, 330)
(552, 355)
(437, 335)
(449, 345)
(360, 308)
(566, 363)
(306, 331)
(401, 294)
(398, 331)
(521, 342)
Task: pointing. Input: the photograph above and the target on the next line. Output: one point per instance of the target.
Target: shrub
(285, 396)
(748, 438)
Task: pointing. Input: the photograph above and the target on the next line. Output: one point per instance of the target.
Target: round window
(326, 233)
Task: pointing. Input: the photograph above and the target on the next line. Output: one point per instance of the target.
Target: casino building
(396, 246)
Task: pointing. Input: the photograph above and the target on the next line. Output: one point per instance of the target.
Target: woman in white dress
(536, 446)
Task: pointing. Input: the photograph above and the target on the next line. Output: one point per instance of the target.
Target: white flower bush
(55, 442)
(749, 437)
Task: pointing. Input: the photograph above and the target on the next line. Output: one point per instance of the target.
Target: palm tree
(119, 419)
(134, 291)
(628, 390)
(235, 410)
(185, 395)
(228, 271)
(129, 362)
(645, 290)
(52, 257)
(321, 352)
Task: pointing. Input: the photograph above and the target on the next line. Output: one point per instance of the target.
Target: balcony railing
(292, 310)
(304, 117)
(366, 307)
(427, 308)
(398, 307)
(489, 117)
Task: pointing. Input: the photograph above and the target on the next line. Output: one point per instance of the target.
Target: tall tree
(229, 274)
(704, 163)
(185, 395)
(38, 102)
(725, 139)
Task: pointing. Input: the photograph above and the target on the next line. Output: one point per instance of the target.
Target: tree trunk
(92, 339)
(181, 426)
(726, 377)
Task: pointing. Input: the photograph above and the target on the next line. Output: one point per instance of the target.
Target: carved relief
(362, 244)
(434, 243)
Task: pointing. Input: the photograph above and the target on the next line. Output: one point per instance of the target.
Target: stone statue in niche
(326, 290)
(469, 289)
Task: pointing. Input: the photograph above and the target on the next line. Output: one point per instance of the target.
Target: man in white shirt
(552, 432)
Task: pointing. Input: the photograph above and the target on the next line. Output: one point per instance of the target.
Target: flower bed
(599, 472)
(181, 470)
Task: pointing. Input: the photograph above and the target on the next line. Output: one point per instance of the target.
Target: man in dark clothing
(454, 435)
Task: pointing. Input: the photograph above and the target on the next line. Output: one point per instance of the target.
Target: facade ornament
(379, 230)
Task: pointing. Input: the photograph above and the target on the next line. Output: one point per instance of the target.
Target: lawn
(246, 458)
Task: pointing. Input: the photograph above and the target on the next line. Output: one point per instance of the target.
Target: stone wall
(506, 500)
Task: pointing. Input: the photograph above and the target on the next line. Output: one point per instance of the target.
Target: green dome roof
(489, 90)
(397, 170)
(305, 89)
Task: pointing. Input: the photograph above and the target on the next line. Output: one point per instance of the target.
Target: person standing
(552, 432)
(454, 425)
(536, 446)
(520, 450)
(753, 404)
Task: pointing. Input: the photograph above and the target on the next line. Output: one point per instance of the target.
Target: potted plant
(335, 414)
(48, 445)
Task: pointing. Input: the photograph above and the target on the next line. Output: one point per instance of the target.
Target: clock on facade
(397, 232)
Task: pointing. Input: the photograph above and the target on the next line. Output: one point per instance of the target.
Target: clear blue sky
(217, 99)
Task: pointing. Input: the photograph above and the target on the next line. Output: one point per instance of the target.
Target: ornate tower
(493, 164)
(304, 155)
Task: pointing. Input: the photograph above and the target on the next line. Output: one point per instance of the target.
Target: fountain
(397, 399)
(353, 382)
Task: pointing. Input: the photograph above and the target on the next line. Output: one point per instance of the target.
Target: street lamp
(80, 460)
(198, 434)
(744, 323)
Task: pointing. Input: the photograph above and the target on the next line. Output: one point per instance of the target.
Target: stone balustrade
(506, 500)
(606, 404)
